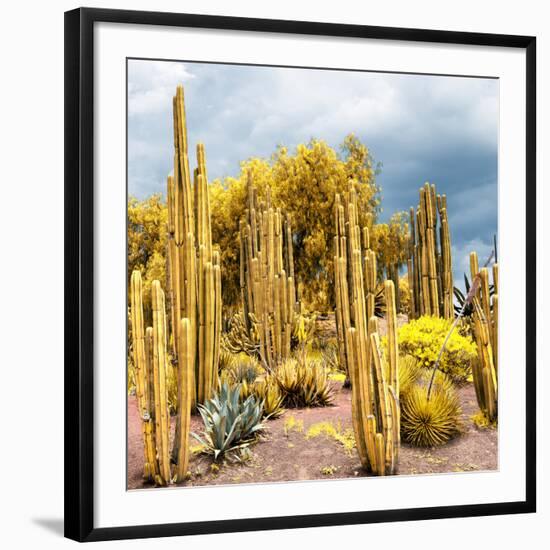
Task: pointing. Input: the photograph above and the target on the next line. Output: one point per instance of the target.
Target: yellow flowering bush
(422, 338)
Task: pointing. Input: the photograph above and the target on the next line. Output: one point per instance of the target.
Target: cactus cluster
(485, 330)
(194, 275)
(375, 402)
(151, 362)
(194, 331)
(267, 286)
(430, 272)
(142, 357)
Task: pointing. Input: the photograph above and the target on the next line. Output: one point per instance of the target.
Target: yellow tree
(304, 185)
(147, 242)
(390, 241)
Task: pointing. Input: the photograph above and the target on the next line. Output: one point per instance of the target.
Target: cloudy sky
(420, 128)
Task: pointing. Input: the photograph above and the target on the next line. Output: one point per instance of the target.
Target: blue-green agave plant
(229, 424)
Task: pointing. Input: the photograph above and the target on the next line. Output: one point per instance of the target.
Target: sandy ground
(289, 455)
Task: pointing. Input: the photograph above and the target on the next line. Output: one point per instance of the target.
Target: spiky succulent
(460, 298)
(409, 371)
(246, 371)
(242, 370)
(227, 359)
(304, 384)
(229, 423)
(427, 423)
(268, 391)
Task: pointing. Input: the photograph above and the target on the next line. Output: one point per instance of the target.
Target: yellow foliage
(147, 243)
(390, 241)
(304, 185)
(337, 376)
(422, 338)
(482, 422)
(292, 424)
(344, 437)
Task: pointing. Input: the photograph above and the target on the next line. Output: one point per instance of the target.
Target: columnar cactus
(267, 285)
(485, 329)
(194, 267)
(143, 375)
(162, 414)
(429, 265)
(375, 406)
(185, 391)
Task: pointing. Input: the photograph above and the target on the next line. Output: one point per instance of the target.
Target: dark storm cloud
(421, 128)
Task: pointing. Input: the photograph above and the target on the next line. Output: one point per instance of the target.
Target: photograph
(312, 274)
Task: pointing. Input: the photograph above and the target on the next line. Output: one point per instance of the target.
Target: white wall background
(31, 273)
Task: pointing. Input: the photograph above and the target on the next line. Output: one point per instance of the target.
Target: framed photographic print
(300, 274)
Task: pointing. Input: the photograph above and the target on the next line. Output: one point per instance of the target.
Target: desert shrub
(422, 338)
(268, 391)
(230, 424)
(427, 423)
(303, 384)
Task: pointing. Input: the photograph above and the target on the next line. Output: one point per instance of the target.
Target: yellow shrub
(423, 338)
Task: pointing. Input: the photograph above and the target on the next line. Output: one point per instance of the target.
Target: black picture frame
(79, 272)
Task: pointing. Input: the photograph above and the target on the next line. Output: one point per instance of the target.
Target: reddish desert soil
(281, 456)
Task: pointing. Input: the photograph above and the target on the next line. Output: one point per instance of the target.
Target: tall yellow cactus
(142, 368)
(430, 263)
(267, 284)
(162, 414)
(485, 329)
(375, 405)
(185, 392)
(194, 267)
